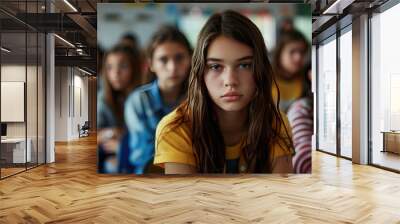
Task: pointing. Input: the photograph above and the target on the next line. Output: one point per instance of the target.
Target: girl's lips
(231, 98)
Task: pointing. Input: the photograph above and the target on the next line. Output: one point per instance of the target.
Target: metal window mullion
(317, 97)
(37, 91)
(369, 100)
(26, 86)
(0, 94)
(338, 95)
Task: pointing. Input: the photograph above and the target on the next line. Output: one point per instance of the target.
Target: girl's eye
(164, 60)
(245, 65)
(214, 67)
(124, 66)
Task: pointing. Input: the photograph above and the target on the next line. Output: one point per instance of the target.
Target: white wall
(71, 93)
(16, 73)
(33, 126)
(61, 103)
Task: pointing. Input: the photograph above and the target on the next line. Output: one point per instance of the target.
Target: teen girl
(121, 74)
(169, 56)
(229, 123)
(289, 66)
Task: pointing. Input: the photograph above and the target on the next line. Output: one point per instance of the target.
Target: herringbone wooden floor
(70, 191)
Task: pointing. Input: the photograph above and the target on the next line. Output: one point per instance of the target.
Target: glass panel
(31, 97)
(385, 86)
(327, 96)
(346, 94)
(22, 79)
(13, 85)
(41, 99)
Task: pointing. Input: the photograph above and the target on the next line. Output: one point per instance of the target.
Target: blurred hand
(109, 138)
(106, 134)
(111, 145)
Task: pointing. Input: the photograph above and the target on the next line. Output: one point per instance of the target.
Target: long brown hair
(264, 122)
(284, 39)
(112, 97)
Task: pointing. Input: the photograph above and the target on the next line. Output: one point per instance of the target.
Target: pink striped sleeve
(300, 117)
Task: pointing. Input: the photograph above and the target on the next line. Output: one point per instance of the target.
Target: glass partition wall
(385, 89)
(334, 94)
(345, 65)
(22, 77)
(326, 104)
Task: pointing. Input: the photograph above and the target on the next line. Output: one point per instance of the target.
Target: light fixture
(337, 7)
(70, 5)
(64, 40)
(84, 71)
(5, 50)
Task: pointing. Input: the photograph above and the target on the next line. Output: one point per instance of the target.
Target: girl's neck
(233, 125)
(169, 95)
(289, 78)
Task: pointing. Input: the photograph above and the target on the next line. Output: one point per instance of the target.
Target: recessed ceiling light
(5, 49)
(70, 5)
(84, 71)
(64, 40)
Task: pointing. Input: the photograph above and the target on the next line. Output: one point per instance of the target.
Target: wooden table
(391, 141)
(13, 150)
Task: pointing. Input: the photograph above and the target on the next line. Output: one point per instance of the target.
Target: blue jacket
(144, 108)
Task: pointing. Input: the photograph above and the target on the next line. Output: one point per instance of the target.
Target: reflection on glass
(31, 98)
(13, 71)
(345, 94)
(385, 86)
(327, 96)
(41, 99)
(23, 87)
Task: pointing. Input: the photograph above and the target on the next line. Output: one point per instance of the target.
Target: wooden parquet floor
(70, 191)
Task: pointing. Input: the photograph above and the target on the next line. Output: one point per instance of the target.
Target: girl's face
(293, 58)
(170, 63)
(118, 71)
(229, 74)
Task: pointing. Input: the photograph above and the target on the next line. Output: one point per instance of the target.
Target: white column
(50, 93)
(360, 90)
(314, 91)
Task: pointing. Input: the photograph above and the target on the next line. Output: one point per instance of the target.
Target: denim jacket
(144, 108)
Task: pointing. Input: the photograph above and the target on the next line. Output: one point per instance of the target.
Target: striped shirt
(300, 115)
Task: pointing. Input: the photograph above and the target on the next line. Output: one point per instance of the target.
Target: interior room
(50, 74)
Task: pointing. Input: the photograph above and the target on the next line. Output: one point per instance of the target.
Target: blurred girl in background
(121, 74)
(289, 62)
(169, 55)
(229, 123)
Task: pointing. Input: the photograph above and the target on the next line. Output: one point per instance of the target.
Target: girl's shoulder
(173, 141)
(282, 146)
(141, 98)
(140, 90)
(173, 124)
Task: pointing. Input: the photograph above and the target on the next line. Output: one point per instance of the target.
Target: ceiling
(79, 27)
(327, 13)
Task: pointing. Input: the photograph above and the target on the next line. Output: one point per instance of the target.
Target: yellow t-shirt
(175, 146)
(290, 90)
